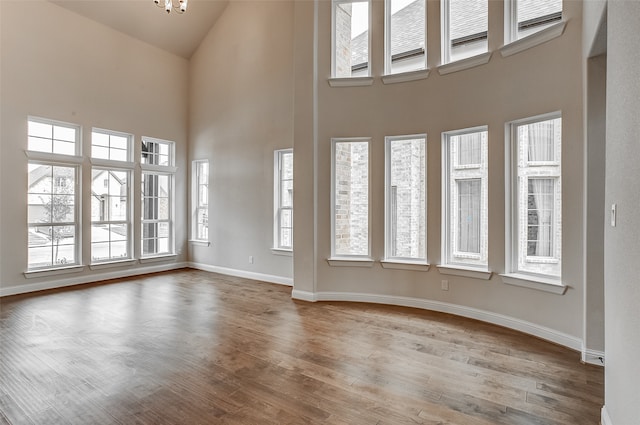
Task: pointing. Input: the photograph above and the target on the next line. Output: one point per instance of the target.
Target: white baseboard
(604, 417)
(89, 278)
(472, 313)
(593, 357)
(244, 274)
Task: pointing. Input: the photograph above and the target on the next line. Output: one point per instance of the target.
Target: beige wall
(622, 243)
(241, 110)
(539, 80)
(58, 65)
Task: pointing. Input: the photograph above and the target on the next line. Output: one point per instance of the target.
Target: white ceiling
(142, 19)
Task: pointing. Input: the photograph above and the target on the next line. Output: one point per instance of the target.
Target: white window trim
(349, 260)
(350, 81)
(128, 136)
(53, 157)
(388, 259)
(512, 44)
(512, 273)
(277, 195)
(36, 273)
(109, 264)
(195, 200)
(78, 141)
(336, 80)
(109, 163)
(466, 63)
(403, 77)
(416, 74)
(421, 266)
(449, 266)
(447, 65)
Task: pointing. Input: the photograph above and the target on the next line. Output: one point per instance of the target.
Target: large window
(350, 38)
(200, 200)
(464, 29)
(536, 196)
(464, 197)
(405, 224)
(283, 199)
(157, 197)
(350, 198)
(405, 24)
(53, 137)
(526, 17)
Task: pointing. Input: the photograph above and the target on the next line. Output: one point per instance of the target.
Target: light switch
(613, 215)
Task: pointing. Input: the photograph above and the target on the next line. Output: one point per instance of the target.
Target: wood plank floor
(191, 347)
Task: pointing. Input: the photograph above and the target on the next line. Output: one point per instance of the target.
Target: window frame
(514, 224)
(389, 213)
(334, 5)
(450, 256)
(364, 258)
(196, 205)
(56, 123)
(511, 23)
(129, 137)
(277, 200)
(445, 34)
(388, 57)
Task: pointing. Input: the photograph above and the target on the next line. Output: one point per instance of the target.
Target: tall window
(536, 196)
(464, 29)
(52, 194)
(526, 17)
(350, 198)
(350, 56)
(464, 197)
(405, 24)
(405, 224)
(283, 199)
(157, 197)
(200, 199)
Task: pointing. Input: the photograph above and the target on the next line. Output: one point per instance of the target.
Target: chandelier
(180, 5)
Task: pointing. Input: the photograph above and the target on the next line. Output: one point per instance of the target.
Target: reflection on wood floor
(192, 347)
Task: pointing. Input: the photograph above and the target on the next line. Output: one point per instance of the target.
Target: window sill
(112, 163)
(403, 77)
(532, 282)
(46, 156)
(158, 258)
(465, 272)
(158, 168)
(351, 82)
(533, 40)
(283, 252)
(199, 243)
(461, 65)
(111, 264)
(52, 272)
(350, 262)
(422, 266)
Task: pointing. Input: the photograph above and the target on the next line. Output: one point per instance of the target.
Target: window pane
(119, 142)
(351, 215)
(351, 39)
(64, 133)
(99, 152)
(407, 35)
(119, 155)
(469, 151)
(99, 139)
(287, 165)
(51, 138)
(536, 15)
(543, 138)
(64, 148)
(39, 129)
(468, 23)
(540, 206)
(469, 215)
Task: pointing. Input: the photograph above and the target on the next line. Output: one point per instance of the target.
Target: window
(53, 137)
(350, 57)
(283, 199)
(405, 24)
(110, 145)
(464, 29)
(405, 224)
(464, 197)
(526, 17)
(200, 199)
(157, 197)
(350, 198)
(536, 196)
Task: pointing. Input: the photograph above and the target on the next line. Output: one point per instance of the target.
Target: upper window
(157, 152)
(464, 29)
(350, 56)
(200, 199)
(404, 35)
(110, 145)
(536, 196)
(406, 213)
(53, 137)
(350, 198)
(526, 17)
(464, 197)
(283, 199)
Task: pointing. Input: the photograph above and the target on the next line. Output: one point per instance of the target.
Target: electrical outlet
(445, 285)
(251, 259)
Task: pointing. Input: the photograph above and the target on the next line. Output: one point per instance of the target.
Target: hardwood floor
(191, 347)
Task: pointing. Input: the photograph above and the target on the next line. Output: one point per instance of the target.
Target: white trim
(111, 264)
(283, 252)
(604, 416)
(543, 332)
(281, 280)
(534, 282)
(32, 274)
(350, 261)
(403, 77)
(53, 157)
(593, 357)
(463, 64)
(111, 164)
(158, 169)
(92, 278)
(351, 81)
(533, 40)
(421, 266)
(158, 258)
(464, 271)
(197, 242)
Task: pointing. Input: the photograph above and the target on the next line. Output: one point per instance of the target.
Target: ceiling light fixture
(181, 7)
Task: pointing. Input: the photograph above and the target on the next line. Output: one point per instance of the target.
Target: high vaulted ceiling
(142, 19)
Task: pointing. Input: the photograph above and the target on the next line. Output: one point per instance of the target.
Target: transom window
(404, 35)
(53, 137)
(157, 152)
(350, 38)
(464, 29)
(110, 145)
(526, 17)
